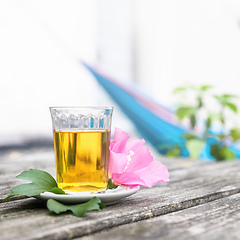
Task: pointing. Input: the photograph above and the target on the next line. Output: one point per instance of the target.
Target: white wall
(160, 44)
(115, 38)
(187, 41)
(40, 44)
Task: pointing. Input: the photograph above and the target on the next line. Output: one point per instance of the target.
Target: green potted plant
(218, 142)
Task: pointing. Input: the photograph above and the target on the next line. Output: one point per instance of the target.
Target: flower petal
(119, 141)
(132, 144)
(131, 164)
(140, 157)
(117, 163)
(127, 179)
(152, 174)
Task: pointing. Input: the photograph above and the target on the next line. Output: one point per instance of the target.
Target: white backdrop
(187, 41)
(40, 44)
(159, 44)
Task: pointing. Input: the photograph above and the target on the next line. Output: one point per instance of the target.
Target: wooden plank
(214, 220)
(15, 162)
(192, 183)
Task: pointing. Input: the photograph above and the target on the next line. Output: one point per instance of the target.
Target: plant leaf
(205, 87)
(56, 190)
(78, 210)
(41, 182)
(214, 116)
(180, 89)
(235, 133)
(200, 102)
(208, 122)
(111, 185)
(194, 147)
(232, 106)
(190, 136)
(193, 120)
(229, 96)
(221, 100)
(215, 152)
(229, 154)
(183, 112)
(38, 176)
(174, 151)
(222, 153)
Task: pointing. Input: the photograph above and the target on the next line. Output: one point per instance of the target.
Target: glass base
(83, 187)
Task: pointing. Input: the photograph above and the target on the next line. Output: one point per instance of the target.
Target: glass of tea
(81, 137)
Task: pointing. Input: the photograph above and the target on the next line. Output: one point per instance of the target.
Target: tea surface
(82, 159)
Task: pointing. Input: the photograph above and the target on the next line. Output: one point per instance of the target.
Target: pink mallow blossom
(131, 164)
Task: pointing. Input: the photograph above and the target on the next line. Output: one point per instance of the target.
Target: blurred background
(157, 44)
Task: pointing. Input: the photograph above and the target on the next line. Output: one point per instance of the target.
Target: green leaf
(200, 102)
(227, 153)
(194, 147)
(222, 119)
(174, 152)
(232, 106)
(229, 96)
(41, 182)
(111, 185)
(222, 153)
(208, 122)
(39, 177)
(180, 89)
(56, 190)
(221, 99)
(193, 120)
(183, 112)
(78, 210)
(215, 152)
(215, 116)
(205, 87)
(235, 133)
(190, 136)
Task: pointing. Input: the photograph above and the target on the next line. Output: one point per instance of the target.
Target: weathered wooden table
(202, 201)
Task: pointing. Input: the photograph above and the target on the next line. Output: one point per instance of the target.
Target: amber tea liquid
(82, 159)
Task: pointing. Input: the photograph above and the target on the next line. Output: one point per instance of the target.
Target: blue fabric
(236, 149)
(206, 150)
(161, 134)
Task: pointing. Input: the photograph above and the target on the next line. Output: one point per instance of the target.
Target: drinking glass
(81, 137)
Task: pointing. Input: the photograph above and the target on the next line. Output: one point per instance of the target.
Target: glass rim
(82, 107)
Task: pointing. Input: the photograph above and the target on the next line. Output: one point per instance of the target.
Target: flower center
(131, 153)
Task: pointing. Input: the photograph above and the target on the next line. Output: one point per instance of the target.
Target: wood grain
(194, 186)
